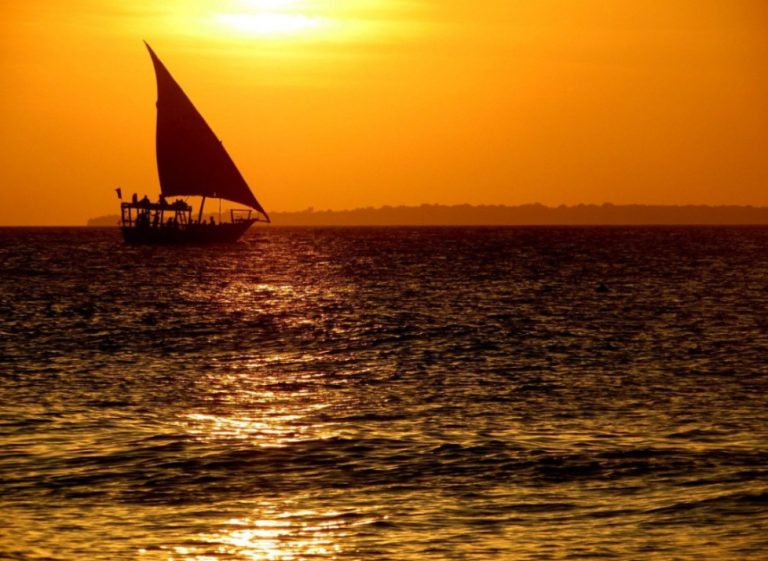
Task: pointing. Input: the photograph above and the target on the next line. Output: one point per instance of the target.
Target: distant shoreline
(521, 215)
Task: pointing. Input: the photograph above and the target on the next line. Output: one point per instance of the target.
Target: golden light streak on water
(265, 418)
(278, 532)
(283, 539)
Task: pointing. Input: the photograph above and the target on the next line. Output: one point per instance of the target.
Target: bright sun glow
(268, 23)
(269, 17)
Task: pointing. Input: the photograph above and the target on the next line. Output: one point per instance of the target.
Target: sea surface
(387, 394)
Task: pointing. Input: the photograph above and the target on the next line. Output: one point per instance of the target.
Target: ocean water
(385, 393)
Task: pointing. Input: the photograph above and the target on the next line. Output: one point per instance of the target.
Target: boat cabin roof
(177, 205)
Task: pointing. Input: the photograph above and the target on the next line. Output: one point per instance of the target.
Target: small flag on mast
(119, 193)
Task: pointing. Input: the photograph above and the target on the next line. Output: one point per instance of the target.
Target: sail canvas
(191, 160)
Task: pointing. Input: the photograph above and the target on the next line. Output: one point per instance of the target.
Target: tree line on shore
(521, 215)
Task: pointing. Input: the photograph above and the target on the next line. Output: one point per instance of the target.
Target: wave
(182, 468)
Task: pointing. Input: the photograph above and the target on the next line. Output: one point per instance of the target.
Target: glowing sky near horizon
(367, 102)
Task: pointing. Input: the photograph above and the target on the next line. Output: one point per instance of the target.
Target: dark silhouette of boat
(191, 161)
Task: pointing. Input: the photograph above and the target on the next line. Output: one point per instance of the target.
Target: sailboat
(191, 161)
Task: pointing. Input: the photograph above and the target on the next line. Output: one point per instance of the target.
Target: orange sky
(391, 102)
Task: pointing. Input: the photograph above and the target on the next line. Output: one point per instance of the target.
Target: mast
(200, 214)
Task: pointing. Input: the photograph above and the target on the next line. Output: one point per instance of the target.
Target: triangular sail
(191, 160)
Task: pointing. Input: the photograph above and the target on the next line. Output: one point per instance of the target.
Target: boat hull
(191, 234)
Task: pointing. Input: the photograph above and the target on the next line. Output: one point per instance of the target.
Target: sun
(269, 18)
(268, 23)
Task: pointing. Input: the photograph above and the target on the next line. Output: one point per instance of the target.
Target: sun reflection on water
(272, 535)
(257, 431)
(259, 418)
(283, 539)
(266, 417)
(272, 529)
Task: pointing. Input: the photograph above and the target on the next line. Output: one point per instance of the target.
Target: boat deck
(186, 233)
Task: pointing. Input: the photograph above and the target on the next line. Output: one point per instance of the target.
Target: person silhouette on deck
(142, 220)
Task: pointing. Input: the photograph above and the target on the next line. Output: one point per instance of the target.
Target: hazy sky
(391, 102)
